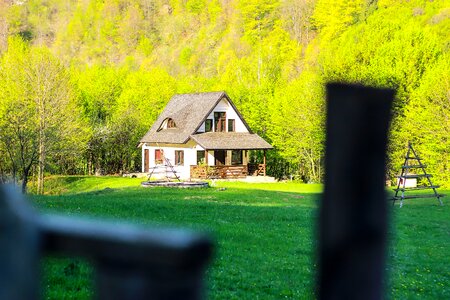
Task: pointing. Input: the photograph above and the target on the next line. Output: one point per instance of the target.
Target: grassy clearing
(264, 233)
(419, 264)
(62, 185)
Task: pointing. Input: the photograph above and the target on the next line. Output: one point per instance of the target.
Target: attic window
(171, 123)
(231, 125)
(167, 123)
(208, 125)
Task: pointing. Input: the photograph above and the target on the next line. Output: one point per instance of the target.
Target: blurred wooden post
(353, 212)
(131, 262)
(19, 248)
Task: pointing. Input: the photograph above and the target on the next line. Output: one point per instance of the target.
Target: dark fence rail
(130, 262)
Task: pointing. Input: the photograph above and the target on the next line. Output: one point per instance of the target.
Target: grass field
(265, 236)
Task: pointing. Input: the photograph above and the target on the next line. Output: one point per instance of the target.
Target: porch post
(264, 162)
(228, 157)
(206, 157)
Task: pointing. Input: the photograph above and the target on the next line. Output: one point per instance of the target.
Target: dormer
(168, 123)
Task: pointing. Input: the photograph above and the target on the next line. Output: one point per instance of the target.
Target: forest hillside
(82, 81)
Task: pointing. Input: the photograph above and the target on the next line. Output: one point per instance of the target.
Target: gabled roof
(230, 141)
(188, 111)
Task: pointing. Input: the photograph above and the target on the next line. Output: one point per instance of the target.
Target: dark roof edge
(157, 143)
(192, 136)
(212, 108)
(238, 113)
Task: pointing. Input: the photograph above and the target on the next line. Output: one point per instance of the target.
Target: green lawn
(264, 235)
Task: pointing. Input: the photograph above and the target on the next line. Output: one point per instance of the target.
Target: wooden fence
(256, 169)
(212, 172)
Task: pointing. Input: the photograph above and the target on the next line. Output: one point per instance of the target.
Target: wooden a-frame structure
(167, 168)
(414, 162)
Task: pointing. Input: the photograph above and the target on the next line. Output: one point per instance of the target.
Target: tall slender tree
(39, 117)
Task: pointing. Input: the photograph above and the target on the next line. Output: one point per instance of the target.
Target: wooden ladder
(172, 169)
(167, 164)
(416, 164)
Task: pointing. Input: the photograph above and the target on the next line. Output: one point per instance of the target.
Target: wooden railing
(211, 172)
(256, 169)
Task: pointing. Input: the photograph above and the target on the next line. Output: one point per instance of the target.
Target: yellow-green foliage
(126, 58)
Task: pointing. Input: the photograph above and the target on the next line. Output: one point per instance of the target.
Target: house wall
(225, 106)
(190, 158)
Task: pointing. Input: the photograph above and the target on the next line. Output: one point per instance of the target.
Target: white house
(201, 135)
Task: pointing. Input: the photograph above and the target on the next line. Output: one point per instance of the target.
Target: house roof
(230, 141)
(188, 111)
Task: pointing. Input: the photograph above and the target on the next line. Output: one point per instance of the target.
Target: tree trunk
(26, 174)
(41, 166)
(90, 165)
(14, 175)
(24, 184)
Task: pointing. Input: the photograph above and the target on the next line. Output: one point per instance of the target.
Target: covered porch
(226, 172)
(226, 156)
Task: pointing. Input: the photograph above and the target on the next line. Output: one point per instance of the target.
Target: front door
(220, 156)
(146, 160)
